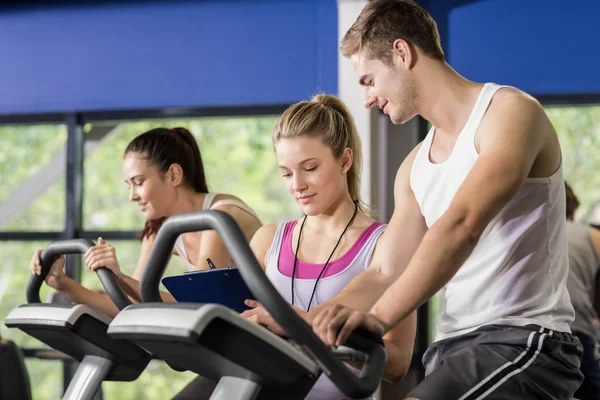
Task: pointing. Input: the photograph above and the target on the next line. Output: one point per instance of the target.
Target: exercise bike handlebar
(74, 246)
(349, 383)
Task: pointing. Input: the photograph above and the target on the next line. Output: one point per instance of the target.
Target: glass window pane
(14, 276)
(238, 158)
(32, 177)
(435, 305)
(46, 378)
(157, 382)
(578, 130)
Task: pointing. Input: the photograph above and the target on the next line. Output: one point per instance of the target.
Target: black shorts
(502, 362)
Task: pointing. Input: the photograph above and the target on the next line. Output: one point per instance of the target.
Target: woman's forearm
(78, 294)
(132, 289)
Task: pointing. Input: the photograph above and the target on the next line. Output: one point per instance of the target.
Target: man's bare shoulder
(510, 100)
(514, 112)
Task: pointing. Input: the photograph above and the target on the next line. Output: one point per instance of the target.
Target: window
(578, 130)
(238, 158)
(32, 178)
(14, 276)
(158, 381)
(45, 377)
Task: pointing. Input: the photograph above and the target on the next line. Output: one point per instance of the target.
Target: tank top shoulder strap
(479, 110)
(182, 253)
(421, 157)
(179, 248)
(275, 249)
(366, 252)
(425, 145)
(237, 203)
(208, 200)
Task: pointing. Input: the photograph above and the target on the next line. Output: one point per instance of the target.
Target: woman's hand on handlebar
(261, 316)
(103, 255)
(335, 323)
(56, 274)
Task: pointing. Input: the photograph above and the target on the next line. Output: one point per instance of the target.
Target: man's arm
(516, 131)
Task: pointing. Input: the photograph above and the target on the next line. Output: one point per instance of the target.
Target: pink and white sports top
(337, 275)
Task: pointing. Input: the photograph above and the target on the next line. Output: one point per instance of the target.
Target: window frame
(74, 176)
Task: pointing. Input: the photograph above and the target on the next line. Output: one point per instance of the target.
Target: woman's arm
(71, 289)
(104, 255)
(78, 294)
(261, 243)
(212, 246)
(147, 243)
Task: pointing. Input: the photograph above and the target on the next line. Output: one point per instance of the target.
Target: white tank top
(207, 204)
(517, 273)
(327, 289)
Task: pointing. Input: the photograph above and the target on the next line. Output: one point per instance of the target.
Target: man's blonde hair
(381, 22)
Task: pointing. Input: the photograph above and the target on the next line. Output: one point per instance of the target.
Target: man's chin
(396, 121)
(400, 119)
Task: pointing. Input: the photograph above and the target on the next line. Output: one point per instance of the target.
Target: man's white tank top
(518, 270)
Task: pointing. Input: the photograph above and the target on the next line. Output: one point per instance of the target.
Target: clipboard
(221, 286)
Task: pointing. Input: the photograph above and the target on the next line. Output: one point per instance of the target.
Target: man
(479, 210)
(584, 288)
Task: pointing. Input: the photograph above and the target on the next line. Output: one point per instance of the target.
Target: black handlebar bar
(350, 384)
(74, 246)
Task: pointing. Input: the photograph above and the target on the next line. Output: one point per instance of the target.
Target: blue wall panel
(168, 54)
(541, 46)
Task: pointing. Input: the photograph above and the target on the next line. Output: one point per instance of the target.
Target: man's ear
(403, 53)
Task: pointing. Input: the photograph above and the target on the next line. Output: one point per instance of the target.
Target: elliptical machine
(247, 360)
(78, 330)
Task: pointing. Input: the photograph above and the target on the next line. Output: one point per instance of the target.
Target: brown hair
(327, 118)
(572, 201)
(163, 147)
(381, 22)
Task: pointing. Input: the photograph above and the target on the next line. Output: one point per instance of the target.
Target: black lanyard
(328, 259)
